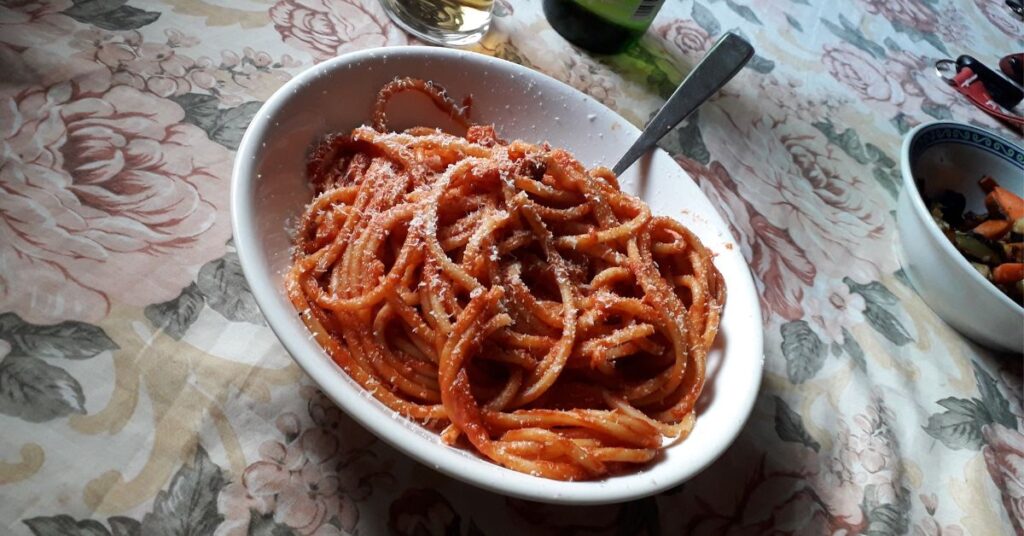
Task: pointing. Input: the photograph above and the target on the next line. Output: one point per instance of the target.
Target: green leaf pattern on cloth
(846, 31)
(111, 14)
(224, 126)
(223, 285)
(790, 426)
(804, 351)
(959, 427)
(962, 425)
(68, 340)
(177, 315)
(37, 391)
(189, 505)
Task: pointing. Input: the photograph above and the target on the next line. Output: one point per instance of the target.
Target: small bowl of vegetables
(961, 224)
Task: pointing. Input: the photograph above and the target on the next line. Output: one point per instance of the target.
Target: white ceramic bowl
(942, 156)
(269, 191)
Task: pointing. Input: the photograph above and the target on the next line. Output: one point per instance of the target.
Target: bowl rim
(917, 199)
(250, 250)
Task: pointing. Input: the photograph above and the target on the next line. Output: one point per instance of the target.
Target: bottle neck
(602, 27)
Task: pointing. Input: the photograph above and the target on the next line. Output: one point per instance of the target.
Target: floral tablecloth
(142, 393)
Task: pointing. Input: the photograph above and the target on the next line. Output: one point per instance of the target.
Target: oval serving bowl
(942, 156)
(269, 192)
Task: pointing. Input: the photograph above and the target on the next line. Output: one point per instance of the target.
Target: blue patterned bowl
(953, 156)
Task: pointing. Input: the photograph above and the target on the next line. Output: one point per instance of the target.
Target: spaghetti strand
(503, 293)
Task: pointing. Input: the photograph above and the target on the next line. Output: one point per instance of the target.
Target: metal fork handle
(728, 55)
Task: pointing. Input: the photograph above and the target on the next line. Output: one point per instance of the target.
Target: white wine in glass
(444, 22)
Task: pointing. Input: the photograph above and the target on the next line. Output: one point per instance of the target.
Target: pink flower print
(253, 76)
(928, 526)
(326, 28)
(954, 27)
(757, 494)
(910, 13)
(789, 172)
(296, 484)
(587, 76)
(924, 88)
(861, 72)
(685, 37)
(176, 38)
(1000, 17)
(789, 94)
(107, 197)
(163, 70)
(30, 23)
(1004, 457)
(870, 446)
(833, 308)
(159, 68)
(902, 83)
(109, 48)
(259, 59)
(159, 58)
(311, 481)
(863, 458)
(780, 267)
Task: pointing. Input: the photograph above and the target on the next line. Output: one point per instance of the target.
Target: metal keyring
(946, 69)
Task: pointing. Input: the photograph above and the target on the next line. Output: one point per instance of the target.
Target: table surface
(142, 393)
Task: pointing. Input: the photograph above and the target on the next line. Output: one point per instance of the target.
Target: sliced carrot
(988, 184)
(1010, 204)
(992, 206)
(993, 229)
(1009, 272)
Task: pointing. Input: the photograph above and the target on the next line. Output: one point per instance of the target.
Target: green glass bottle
(602, 26)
